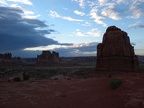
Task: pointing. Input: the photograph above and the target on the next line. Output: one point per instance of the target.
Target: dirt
(74, 93)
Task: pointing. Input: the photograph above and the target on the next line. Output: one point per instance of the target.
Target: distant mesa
(47, 58)
(115, 52)
(6, 56)
(7, 60)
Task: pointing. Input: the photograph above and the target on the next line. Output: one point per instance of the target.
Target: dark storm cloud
(17, 32)
(25, 54)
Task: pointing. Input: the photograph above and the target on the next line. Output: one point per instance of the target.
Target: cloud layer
(67, 50)
(27, 2)
(136, 25)
(18, 33)
(81, 49)
(100, 10)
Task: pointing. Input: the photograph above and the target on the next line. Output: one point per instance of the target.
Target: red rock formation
(6, 56)
(47, 58)
(115, 52)
(6, 60)
(55, 57)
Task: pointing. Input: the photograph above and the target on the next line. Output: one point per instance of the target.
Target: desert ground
(71, 88)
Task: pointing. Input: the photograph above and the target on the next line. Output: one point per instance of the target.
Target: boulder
(115, 52)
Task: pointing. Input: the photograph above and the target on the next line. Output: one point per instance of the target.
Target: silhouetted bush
(26, 76)
(68, 78)
(109, 75)
(17, 79)
(2, 73)
(56, 79)
(115, 83)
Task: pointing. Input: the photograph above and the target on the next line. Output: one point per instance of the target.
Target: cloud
(65, 50)
(48, 47)
(86, 24)
(136, 10)
(79, 13)
(81, 2)
(91, 4)
(22, 1)
(136, 25)
(121, 1)
(110, 13)
(104, 8)
(102, 2)
(79, 33)
(93, 32)
(56, 15)
(25, 54)
(3, 2)
(80, 49)
(27, 13)
(18, 33)
(97, 18)
(32, 16)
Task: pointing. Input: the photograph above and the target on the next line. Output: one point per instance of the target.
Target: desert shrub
(109, 75)
(17, 79)
(68, 78)
(56, 78)
(2, 73)
(115, 83)
(26, 76)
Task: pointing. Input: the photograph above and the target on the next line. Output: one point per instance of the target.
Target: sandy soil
(74, 93)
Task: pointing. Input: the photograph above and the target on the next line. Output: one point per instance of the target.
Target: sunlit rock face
(115, 52)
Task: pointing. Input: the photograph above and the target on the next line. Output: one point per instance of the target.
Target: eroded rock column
(115, 52)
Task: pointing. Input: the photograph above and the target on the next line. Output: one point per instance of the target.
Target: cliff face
(47, 58)
(55, 57)
(115, 52)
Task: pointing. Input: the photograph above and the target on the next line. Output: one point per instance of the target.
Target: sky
(70, 27)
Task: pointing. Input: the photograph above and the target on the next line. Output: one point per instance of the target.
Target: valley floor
(74, 93)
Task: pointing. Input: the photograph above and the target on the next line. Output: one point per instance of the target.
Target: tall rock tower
(115, 52)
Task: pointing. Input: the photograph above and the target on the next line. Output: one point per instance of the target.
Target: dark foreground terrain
(78, 86)
(92, 92)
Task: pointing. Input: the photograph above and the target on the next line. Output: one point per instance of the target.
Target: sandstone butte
(116, 53)
(47, 58)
